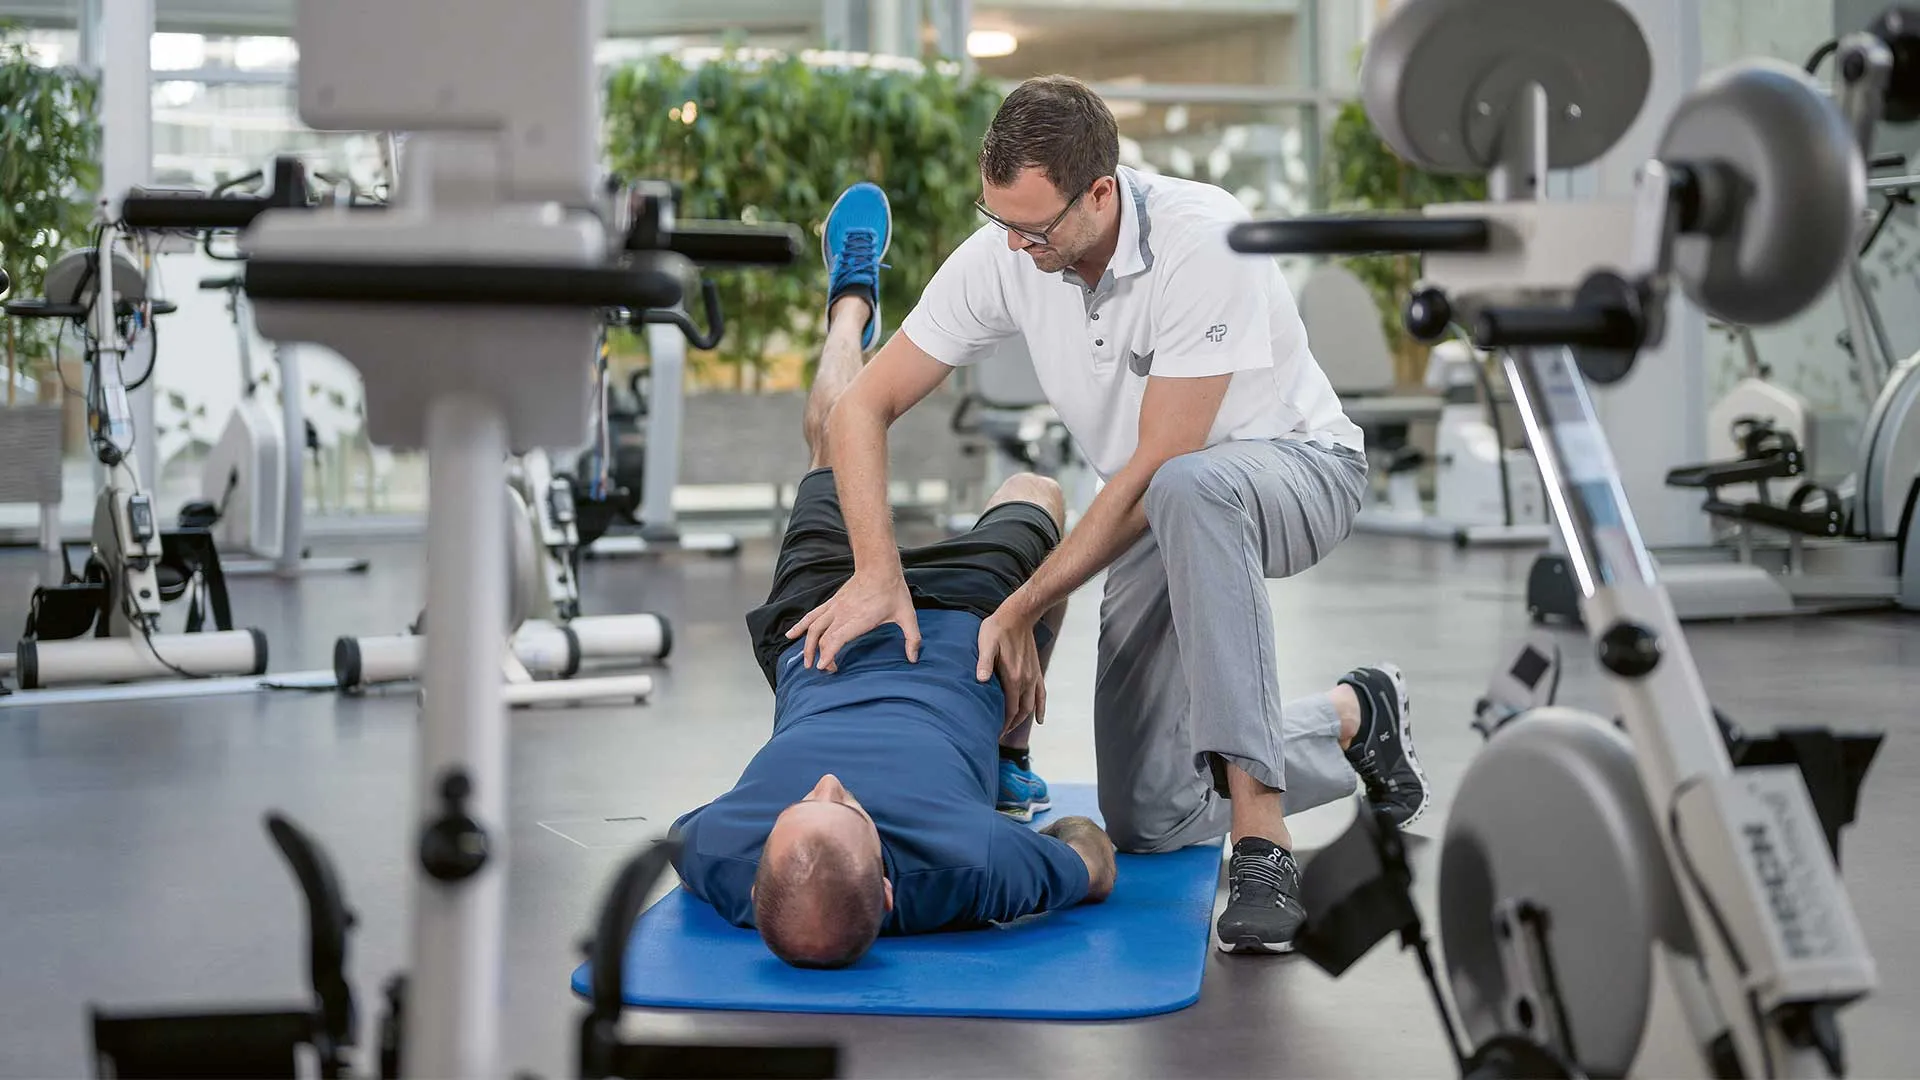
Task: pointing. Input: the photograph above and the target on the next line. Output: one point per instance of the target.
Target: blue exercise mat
(1140, 953)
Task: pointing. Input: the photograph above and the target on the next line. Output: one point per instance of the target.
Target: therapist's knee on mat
(1152, 827)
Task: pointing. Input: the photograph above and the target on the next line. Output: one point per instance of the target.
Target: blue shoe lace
(858, 258)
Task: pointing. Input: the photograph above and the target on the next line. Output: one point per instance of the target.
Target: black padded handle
(1359, 235)
(194, 212)
(1606, 328)
(708, 339)
(717, 243)
(652, 280)
(37, 308)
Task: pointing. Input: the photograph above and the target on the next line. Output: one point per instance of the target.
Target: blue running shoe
(1037, 795)
(859, 230)
(1016, 794)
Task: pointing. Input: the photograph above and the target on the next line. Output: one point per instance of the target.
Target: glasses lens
(1029, 235)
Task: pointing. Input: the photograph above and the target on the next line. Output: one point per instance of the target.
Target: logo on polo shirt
(1141, 364)
(1217, 333)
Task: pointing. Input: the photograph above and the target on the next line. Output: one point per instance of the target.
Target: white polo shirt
(1175, 302)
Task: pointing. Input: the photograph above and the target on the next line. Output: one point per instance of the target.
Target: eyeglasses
(1039, 236)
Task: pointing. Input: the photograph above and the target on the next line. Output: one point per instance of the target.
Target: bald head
(821, 891)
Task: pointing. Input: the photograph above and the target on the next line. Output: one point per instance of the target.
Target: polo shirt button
(1096, 316)
(1099, 341)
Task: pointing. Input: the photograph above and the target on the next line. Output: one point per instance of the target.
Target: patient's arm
(1090, 842)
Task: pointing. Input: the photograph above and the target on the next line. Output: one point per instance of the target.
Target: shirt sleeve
(724, 881)
(1213, 312)
(1027, 872)
(963, 313)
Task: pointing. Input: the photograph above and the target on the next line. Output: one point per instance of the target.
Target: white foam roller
(542, 648)
(618, 637)
(132, 659)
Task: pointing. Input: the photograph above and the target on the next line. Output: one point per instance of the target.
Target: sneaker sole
(1253, 946)
(1041, 804)
(1017, 813)
(1405, 701)
(884, 201)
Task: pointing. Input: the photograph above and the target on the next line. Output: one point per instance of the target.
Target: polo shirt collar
(1134, 252)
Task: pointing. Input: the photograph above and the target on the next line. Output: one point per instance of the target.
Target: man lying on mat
(872, 809)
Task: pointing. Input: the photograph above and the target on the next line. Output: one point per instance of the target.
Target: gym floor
(134, 870)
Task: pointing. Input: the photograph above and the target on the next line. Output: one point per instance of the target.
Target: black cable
(153, 356)
(59, 342)
(1499, 430)
(1719, 921)
(146, 635)
(1536, 919)
(1821, 53)
(1895, 200)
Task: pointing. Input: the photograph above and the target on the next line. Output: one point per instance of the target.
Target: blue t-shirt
(918, 745)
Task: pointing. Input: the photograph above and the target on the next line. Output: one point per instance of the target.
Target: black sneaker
(1263, 899)
(1382, 751)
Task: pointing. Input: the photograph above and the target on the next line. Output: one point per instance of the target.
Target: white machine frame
(265, 471)
(126, 534)
(549, 638)
(1765, 946)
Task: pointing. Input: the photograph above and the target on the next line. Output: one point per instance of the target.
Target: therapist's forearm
(1114, 520)
(857, 448)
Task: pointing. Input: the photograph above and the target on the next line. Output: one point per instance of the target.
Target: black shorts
(974, 571)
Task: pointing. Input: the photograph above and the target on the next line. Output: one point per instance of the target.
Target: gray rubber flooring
(134, 870)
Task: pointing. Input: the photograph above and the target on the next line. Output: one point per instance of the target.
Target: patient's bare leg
(840, 362)
(1045, 493)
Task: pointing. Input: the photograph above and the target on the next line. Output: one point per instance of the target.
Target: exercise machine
(623, 480)
(548, 636)
(253, 483)
(628, 475)
(103, 624)
(1486, 490)
(499, 251)
(1589, 874)
(1007, 427)
(550, 642)
(1830, 545)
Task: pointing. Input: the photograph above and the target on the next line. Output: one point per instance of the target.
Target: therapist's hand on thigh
(869, 600)
(1007, 646)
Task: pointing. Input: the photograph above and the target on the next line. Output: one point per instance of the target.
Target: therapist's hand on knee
(867, 601)
(1007, 646)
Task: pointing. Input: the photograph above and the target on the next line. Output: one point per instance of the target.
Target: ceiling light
(991, 43)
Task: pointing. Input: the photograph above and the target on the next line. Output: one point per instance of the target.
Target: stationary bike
(102, 624)
(1592, 876)
(252, 482)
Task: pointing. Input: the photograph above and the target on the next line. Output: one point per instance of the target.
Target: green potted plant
(1365, 175)
(752, 137)
(49, 166)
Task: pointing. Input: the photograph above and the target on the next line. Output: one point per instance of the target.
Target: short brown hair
(819, 905)
(1055, 123)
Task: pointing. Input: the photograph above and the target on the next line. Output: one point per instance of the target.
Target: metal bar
(225, 76)
(177, 688)
(1894, 183)
(293, 428)
(452, 1013)
(666, 408)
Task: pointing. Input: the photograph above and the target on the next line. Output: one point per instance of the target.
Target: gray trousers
(1187, 676)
